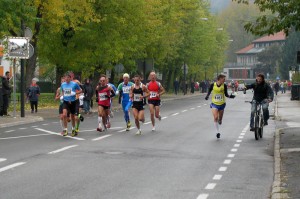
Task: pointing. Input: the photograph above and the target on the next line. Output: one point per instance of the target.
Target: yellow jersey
(218, 94)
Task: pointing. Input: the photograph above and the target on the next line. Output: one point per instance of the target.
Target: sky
(218, 5)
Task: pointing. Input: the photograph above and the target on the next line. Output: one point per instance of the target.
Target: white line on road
(22, 128)
(199, 106)
(244, 131)
(234, 150)
(242, 134)
(11, 166)
(34, 126)
(217, 177)
(62, 149)
(125, 129)
(9, 131)
(241, 137)
(175, 114)
(203, 196)
(239, 141)
(102, 137)
(25, 136)
(54, 133)
(164, 118)
(54, 122)
(184, 111)
(192, 108)
(230, 155)
(210, 186)
(227, 162)
(89, 130)
(236, 145)
(222, 168)
(45, 124)
(204, 104)
(2, 159)
(147, 123)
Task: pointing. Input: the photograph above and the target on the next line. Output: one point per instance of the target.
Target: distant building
(5, 65)
(246, 64)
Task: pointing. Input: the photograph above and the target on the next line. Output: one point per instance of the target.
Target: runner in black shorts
(137, 96)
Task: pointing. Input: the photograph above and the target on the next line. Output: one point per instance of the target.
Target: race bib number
(137, 97)
(219, 97)
(153, 94)
(102, 96)
(126, 89)
(67, 92)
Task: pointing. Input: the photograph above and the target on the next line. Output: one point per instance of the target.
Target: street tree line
(94, 35)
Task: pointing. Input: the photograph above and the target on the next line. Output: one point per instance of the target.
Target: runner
(123, 90)
(137, 96)
(78, 116)
(219, 91)
(59, 96)
(264, 94)
(111, 114)
(69, 90)
(103, 95)
(155, 91)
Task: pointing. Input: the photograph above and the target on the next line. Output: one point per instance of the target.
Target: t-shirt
(125, 88)
(68, 90)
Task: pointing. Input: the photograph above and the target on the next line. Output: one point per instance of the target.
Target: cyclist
(69, 91)
(219, 91)
(103, 94)
(137, 96)
(264, 94)
(123, 90)
(155, 91)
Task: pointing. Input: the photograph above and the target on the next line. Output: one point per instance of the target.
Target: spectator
(176, 86)
(33, 93)
(1, 97)
(88, 94)
(5, 95)
(192, 86)
(276, 87)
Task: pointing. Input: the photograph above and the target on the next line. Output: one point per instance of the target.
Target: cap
(125, 75)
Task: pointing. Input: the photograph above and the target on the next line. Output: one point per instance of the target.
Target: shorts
(154, 102)
(104, 107)
(139, 108)
(70, 106)
(218, 107)
(77, 107)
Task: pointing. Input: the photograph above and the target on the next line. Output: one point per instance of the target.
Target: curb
(277, 189)
(27, 121)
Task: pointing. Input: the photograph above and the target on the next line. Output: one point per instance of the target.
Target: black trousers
(33, 104)
(5, 104)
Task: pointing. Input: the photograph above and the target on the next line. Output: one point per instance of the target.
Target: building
(5, 65)
(246, 64)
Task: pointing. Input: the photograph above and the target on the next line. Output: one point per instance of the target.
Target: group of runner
(132, 95)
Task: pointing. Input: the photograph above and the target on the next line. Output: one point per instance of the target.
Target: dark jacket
(261, 91)
(88, 91)
(33, 92)
(5, 86)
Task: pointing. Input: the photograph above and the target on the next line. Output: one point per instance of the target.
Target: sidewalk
(287, 148)
(53, 113)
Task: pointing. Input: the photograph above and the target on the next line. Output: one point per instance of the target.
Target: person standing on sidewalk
(5, 95)
(88, 95)
(33, 93)
(176, 86)
(264, 94)
(276, 87)
(155, 91)
(219, 91)
(123, 90)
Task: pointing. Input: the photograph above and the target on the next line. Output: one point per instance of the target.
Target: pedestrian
(276, 87)
(123, 90)
(33, 93)
(69, 91)
(155, 91)
(88, 92)
(103, 94)
(176, 86)
(7, 76)
(6, 90)
(219, 91)
(192, 86)
(137, 94)
(1, 96)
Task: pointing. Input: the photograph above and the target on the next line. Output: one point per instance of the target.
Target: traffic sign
(18, 47)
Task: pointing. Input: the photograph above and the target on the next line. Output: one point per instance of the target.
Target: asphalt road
(181, 159)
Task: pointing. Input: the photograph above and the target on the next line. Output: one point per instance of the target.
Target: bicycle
(258, 120)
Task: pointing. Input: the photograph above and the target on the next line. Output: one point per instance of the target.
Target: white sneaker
(139, 132)
(153, 129)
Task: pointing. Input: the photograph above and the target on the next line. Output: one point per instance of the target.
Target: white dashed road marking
(2, 159)
(236, 145)
(175, 114)
(125, 129)
(230, 155)
(227, 162)
(233, 150)
(164, 118)
(9, 131)
(101, 138)
(62, 149)
(22, 128)
(217, 177)
(54, 133)
(222, 168)
(11, 166)
(184, 111)
(25, 136)
(210, 186)
(203, 196)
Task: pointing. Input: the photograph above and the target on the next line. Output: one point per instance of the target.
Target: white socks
(62, 124)
(99, 121)
(217, 127)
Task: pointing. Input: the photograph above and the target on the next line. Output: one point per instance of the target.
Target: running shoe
(64, 133)
(220, 122)
(139, 132)
(153, 129)
(128, 124)
(99, 129)
(108, 124)
(159, 118)
(73, 133)
(76, 131)
(218, 135)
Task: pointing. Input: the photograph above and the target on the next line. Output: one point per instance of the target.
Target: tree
(284, 16)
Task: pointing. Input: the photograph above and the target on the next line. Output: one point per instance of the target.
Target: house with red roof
(247, 61)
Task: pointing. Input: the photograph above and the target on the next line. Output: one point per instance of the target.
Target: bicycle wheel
(256, 127)
(261, 128)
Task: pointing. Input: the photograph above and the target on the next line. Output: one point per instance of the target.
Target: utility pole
(22, 85)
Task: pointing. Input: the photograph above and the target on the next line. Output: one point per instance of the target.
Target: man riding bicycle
(263, 94)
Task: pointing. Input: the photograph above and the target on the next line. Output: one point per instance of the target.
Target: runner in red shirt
(103, 94)
(155, 91)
